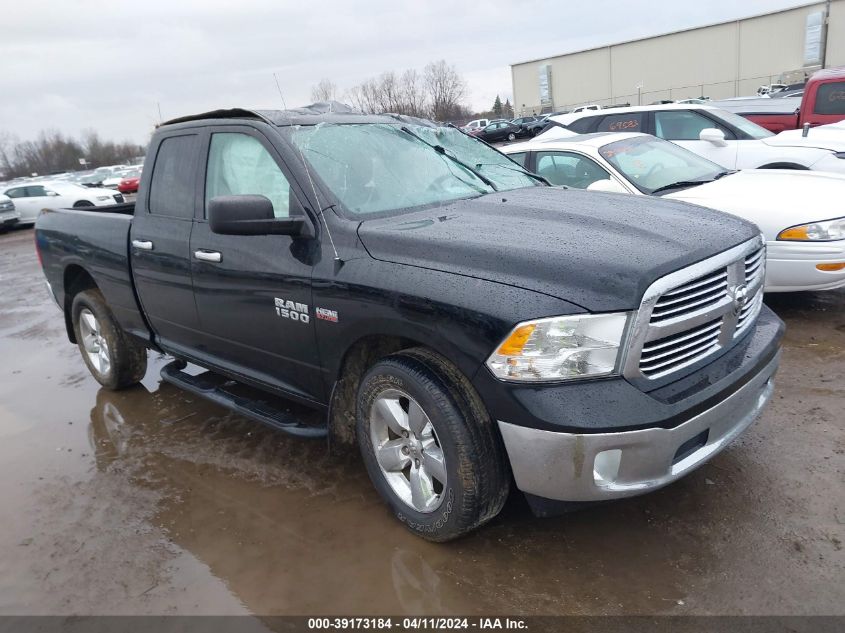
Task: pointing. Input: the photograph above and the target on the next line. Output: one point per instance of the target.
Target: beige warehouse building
(719, 61)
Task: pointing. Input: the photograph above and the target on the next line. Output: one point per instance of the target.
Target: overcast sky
(77, 64)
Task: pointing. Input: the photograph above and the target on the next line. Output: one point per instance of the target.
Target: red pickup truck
(823, 102)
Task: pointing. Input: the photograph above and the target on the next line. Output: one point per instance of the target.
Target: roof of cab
(323, 112)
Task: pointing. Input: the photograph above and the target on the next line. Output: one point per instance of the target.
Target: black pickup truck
(466, 324)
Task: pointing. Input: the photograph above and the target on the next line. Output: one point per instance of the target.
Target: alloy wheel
(407, 450)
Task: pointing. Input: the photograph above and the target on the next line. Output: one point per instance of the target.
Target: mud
(150, 501)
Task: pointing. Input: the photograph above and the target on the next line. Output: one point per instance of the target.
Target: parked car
(476, 124)
(9, 216)
(498, 131)
(523, 122)
(535, 128)
(805, 247)
(112, 182)
(459, 319)
(822, 101)
(720, 136)
(30, 199)
(129, 182)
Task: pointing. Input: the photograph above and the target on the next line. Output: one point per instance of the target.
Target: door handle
(144, 245)
(208, 256)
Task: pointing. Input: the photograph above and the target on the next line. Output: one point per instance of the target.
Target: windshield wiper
(517, 169)
(681, 183)
(442, 151)
(727, 172)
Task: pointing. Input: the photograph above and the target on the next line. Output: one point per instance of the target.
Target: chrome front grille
(693, 313)
(667, 352)
(697, 294)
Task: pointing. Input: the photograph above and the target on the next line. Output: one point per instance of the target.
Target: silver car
(9, 216)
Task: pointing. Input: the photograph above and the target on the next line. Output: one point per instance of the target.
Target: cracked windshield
(373, 168)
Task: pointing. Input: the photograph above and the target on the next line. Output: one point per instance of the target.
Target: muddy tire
(430, 447)
(114, 359)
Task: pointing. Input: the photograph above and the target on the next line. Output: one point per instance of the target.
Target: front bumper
(791, 266)
(9, 218)
(597, 466)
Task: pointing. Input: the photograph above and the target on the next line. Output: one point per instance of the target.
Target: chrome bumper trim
(563, 466)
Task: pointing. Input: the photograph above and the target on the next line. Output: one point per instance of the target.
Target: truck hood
(597, 250)
(774, 199)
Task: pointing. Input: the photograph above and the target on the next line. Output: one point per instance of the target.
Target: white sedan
(797, 211)
(723, 137)
(30, 198)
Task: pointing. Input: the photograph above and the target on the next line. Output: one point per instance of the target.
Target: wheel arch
(74, 280)
(783, 165)
(365, 352)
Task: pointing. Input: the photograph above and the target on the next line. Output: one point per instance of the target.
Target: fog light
(606, 466)
(831, 267)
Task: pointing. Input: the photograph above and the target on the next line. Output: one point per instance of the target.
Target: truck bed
(94, 239)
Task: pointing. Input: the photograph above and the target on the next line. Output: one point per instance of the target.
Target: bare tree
(324, 91)
(436, 93)
(446, 90)
(413, 95)
(52, 152)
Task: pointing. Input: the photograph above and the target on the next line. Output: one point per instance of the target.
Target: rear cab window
(830, 98)
(172, 185)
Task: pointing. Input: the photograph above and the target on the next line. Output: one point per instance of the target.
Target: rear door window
(36, 191)
(630, 122)
(174, 173)
(584, 125)
(830, 98)
(19, 192)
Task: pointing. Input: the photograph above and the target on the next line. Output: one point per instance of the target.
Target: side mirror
(608, 185)
(712, 135)
(251, 215)
(52, 194)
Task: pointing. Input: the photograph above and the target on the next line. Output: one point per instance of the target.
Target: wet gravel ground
(151, 501)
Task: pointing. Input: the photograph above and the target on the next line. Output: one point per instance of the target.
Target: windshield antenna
(279, 88)
(337, 260)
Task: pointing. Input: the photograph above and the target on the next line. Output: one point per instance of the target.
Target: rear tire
(114, 359)
(453, 475)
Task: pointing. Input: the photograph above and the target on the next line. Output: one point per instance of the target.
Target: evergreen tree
(497, 107)
(507, 109)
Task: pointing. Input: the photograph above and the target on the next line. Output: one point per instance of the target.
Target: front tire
(430, 448)
(81, 203)
(511, 136)
(114, 359)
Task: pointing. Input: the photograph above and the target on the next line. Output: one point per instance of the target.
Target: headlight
(561, 348)
(102, 198)
(815, 231)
